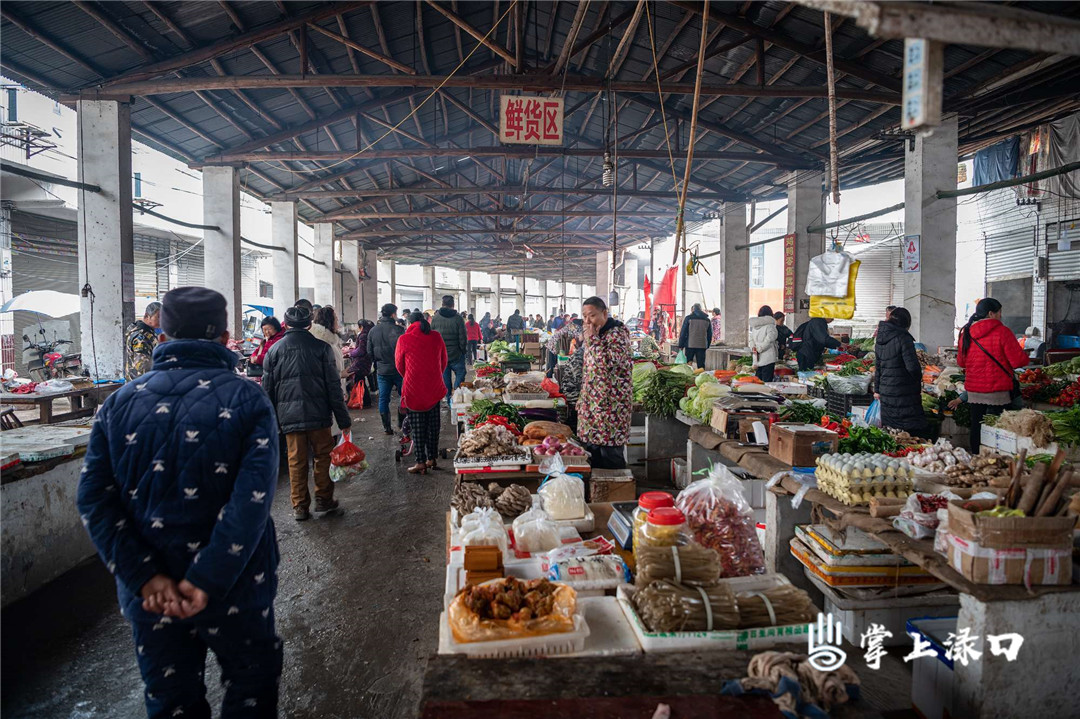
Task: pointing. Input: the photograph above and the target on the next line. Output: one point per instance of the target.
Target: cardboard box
(800, 445)
(473, 576)
(1009, 550)
(484, 559)
(611, 485)
(727, 423)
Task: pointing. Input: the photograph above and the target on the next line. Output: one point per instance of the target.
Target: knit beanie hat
(194, 313)
(299, 317)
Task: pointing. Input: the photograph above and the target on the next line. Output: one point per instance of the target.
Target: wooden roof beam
(120, 33)
(389, 61)
(477, 35)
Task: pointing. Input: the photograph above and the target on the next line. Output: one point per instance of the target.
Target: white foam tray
(757, 638)
(547, 645)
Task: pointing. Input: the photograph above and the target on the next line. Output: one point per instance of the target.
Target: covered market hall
(536, 358)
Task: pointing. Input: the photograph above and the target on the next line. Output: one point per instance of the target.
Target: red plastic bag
(551, 387)
(346, 453)
(356, 399)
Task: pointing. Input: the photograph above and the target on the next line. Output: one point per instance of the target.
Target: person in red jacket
(473, 336)
(420, 358)
(988, 352)
(272, 332)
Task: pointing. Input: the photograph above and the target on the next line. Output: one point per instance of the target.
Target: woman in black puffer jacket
(898, 376)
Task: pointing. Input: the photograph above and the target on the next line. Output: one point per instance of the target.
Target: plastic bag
(345, 472)
(53, 386)
(468, 626)
(563, 494)
(608, 568)
(484, 527)
(855, 384)
(680, 358)
(356, 398)
(841, 307)
(916, 523)
(534, 532)
(873, 414)
(828, 274)
(720, 518)
(346, 453)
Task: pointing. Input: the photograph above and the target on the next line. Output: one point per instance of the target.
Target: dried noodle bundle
(668, 607)
(774, 607)
(691, 564)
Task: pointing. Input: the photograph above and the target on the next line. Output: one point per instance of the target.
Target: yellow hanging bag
(837, 308)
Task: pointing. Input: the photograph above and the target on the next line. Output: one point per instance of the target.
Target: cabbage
(713, 390)
(641, 371)
(692, 392)
(684, 404)
(704, 378)
(682, 369)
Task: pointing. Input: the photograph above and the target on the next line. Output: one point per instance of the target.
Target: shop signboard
(912, 254)
(531, 120)
(924, 62)
(789, 273)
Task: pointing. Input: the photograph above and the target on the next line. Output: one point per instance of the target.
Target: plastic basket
(516, 365)
(525, 396)
(839, 405)
(547, 645)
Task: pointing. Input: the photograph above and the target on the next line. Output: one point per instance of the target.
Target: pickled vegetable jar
(647, 502)
(665, 527)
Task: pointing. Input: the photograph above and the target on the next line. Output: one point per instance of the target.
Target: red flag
(664, 299)
(648, 301)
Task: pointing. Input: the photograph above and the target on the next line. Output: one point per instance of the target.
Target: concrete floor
(358, 607)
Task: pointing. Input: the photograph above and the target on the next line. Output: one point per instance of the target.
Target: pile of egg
(855, 478)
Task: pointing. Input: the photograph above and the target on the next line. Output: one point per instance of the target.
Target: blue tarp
(997, 162)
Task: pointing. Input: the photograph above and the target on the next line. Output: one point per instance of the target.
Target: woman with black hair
(989, 353)
(420, 357)
(898, 375)
(606, 393)
(763, 343)
(272, 331)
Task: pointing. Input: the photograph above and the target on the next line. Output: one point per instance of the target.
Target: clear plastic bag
(563, 494)
(534, 532)
(855, 384)
(345, 472)
(469, 625)
(873, 414)
(719, 517)
(484, 527)
(828, 274)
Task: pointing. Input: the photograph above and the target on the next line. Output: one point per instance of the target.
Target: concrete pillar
(734, 275)
(429, 288)
(285, 273)
(806, 207)
(519, 293)
(603, 275)
(324, 273)
(350, 290)
(496, 296)
(105, 251)
(369, 286)
(930, 293)
(469, 307)
(393, 284)
(221, 247)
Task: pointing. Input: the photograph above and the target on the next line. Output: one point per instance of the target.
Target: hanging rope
(834, 169)
(660, 99)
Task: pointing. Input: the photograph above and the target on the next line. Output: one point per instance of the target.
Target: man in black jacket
(448, 323)
(783, 334)
(515, 324)
(813, 336)
(381, 345)
(301, 378)
(696, 336)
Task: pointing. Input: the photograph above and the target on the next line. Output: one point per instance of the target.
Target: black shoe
(326, 506)
(386, 423)
(301, 515)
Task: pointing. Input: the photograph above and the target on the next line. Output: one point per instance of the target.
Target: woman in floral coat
(606, 392)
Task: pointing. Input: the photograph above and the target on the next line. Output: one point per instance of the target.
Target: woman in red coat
(420, 358)
(473, 336)
(989, 353)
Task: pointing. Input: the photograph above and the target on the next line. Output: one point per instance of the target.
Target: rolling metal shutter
(873, 286)
(1010, 254)
(1064, 265)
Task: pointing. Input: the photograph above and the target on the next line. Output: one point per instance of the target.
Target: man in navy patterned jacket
(175, 493)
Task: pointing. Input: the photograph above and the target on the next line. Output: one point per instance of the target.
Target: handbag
(1015, 391)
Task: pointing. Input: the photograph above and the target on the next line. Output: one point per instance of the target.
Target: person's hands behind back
(159, 593)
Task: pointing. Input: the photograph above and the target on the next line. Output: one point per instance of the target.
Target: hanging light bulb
(609, 171)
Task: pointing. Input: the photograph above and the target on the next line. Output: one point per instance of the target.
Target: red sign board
(789, 274)
(531, 120)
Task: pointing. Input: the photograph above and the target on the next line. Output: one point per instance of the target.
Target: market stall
(83, 398)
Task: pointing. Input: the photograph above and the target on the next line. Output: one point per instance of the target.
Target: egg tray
(859, 492)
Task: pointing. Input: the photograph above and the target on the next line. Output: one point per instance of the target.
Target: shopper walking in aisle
(539, 322)
(812, 338)
(324, 327)
(450, 325)
(606, 393)
(558, 321)
(559, 342)
(487, 331)
(140, 341)
(898, 376)
(175, 493)
(473, 335)
(516, 324)
(783, 335)
(301, 377)
(717, 325)
(989, 353)
(382, 346)
(763, 343)
(420, 359)
(695, 336)
(360, 364)
(272, 331)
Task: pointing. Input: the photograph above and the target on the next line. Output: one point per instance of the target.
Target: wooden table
(84, 401)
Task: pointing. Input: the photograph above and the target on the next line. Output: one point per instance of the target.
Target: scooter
(43, 362)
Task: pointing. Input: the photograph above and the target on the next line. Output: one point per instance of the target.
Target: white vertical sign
(912, 253)
(923, 81)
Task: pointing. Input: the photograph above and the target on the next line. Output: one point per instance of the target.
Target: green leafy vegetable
(867, 439)
(663, 391)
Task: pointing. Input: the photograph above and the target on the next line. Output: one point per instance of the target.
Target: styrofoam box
(754, 490)
(1009, 443)
(932, 680)
(758, 638)
(856, 615)
(546, 645)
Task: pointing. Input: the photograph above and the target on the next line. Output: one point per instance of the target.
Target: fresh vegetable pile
(663, 390)
(744, 362)
(699, 399)
(841, 427)
(486, 370)
(852, 368)
(485, 410)
(552, 446)
(639, 378)
(867, 439)
(1061, 369)
(1067, 426)
(1028, 423)
(1068, 395)
(1034, 376)
(842, 359)
(801, 412)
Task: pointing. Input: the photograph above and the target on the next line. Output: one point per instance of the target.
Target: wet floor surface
(358, 606)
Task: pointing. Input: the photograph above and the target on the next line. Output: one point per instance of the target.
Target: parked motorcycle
(44, 362)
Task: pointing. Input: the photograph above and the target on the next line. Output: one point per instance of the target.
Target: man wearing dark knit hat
(301, 378)
(175, 493)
